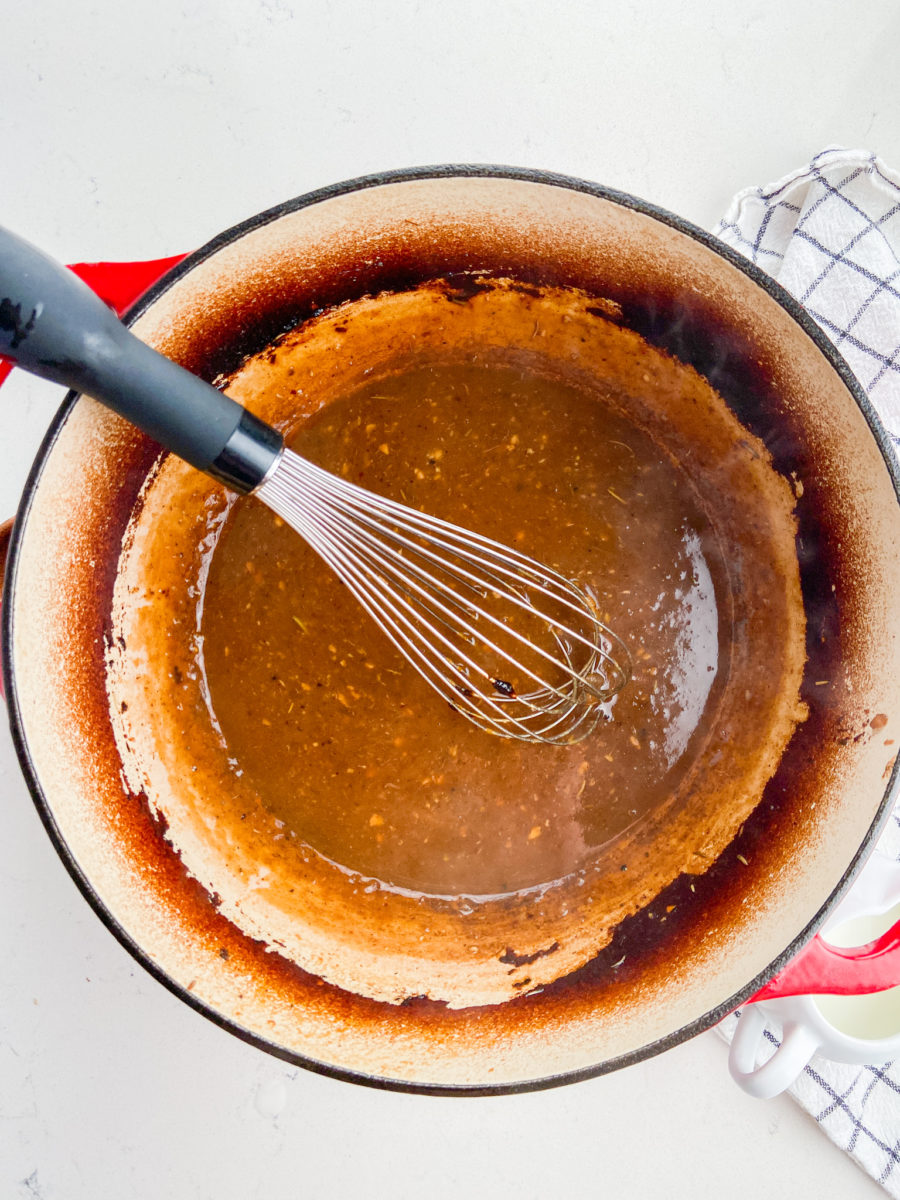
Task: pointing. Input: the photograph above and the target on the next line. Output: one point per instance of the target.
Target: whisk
(511, 644)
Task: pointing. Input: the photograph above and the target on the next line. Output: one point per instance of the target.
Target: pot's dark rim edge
(465, 170)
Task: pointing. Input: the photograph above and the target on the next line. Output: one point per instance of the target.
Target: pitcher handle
(797, 1047)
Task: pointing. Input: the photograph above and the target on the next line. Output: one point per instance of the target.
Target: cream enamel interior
(69, 529)
(383, 943)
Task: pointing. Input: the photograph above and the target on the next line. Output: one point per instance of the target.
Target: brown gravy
(458, 865)
(343, 743)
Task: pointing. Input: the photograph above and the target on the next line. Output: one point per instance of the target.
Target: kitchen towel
(830, 234)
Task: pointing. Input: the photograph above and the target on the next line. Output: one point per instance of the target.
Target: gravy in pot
(332, 806)
(341, 739)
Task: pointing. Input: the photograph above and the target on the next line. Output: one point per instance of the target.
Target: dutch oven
(691, 911)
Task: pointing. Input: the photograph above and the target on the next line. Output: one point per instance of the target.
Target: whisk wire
(366, 584)
(354, 507)
(504, 559)
(389, 565)
(411, 580)
(437, 591)
(406, 624)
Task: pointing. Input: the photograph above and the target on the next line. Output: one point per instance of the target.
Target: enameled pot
(694, 948)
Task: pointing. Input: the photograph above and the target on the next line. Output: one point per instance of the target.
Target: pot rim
(403, 175)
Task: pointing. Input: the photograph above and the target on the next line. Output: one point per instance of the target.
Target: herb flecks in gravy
(407, 852)
(356, 754)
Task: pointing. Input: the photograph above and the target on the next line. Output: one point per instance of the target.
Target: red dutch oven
(689, 953)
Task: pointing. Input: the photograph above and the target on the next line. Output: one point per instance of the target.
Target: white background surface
(141, 130)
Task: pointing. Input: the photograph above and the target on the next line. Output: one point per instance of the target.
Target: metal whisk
(508, 642)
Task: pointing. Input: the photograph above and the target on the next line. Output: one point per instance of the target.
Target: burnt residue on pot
(525, 960)
(697, 332)
(495, 945)
(694, 947)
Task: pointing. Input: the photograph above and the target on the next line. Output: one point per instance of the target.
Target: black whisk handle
(54, 326)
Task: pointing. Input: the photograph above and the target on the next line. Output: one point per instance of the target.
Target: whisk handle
(54, 326)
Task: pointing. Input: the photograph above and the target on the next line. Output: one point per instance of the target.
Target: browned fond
(333, 732)
(347, 920)
(682, 958)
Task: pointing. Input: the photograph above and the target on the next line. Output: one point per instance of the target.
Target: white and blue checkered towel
(830, 234)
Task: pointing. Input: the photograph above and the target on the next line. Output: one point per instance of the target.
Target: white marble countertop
(141, 130)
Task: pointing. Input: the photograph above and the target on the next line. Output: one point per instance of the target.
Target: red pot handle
(822, 969)
(119, 284)
(5, 534)
(817, 968)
